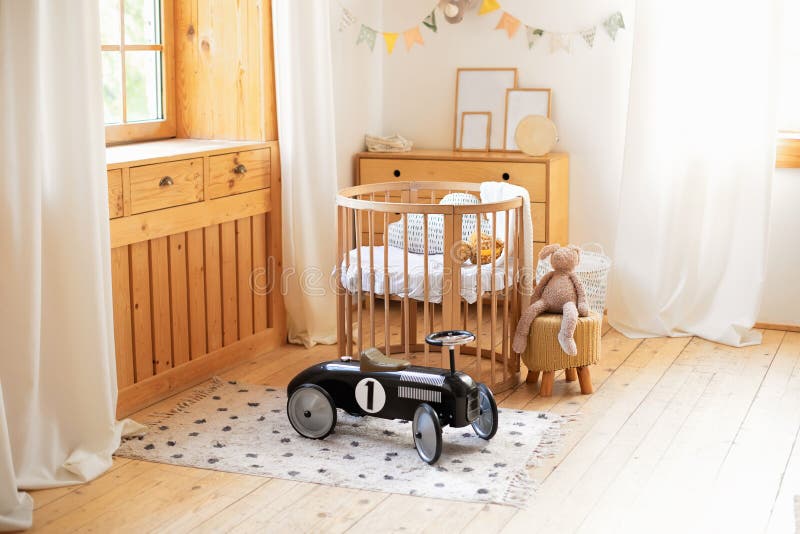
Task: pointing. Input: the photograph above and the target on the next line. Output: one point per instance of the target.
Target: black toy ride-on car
(389, 388)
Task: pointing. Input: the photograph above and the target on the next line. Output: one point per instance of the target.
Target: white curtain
(699, 155)
(304, 87)
(57, 420)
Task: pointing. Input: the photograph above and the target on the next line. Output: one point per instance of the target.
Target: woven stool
(543, 353)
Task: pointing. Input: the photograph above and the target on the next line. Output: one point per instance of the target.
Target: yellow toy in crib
(489, 249)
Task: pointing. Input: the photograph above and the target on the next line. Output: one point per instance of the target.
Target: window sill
(788, 151)
(119, 156)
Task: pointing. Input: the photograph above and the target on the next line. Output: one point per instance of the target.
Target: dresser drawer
(164, 185)
(531, 176)
(115, 194)
(539, 218)
(239, 172)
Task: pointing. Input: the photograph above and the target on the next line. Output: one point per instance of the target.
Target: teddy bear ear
(577, 250)
(549, 249)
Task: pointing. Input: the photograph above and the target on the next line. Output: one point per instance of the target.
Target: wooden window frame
(157, 129)
(788, 150)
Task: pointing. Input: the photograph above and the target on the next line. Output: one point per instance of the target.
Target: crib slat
(340, 250)
(359, 286)
(371, 229)
(348, 304)
(426, 325)
(479, 285)
(507, 283)
(494, 300)
(386, 329)
(406, 305)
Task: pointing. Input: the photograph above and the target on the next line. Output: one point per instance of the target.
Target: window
(789, 99)
(137, 80)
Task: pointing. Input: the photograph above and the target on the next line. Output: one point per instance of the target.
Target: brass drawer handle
(240, 169)
(166, 181)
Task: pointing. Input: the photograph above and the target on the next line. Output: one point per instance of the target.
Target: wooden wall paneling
(230, 290)
(197, 295)
(259, 278)
(123, 326)
(140, 299)
(179, 298)
(244, 261)
(220, 68)
(213, 287)
(160, 295)
(268, 64)
(275, 319)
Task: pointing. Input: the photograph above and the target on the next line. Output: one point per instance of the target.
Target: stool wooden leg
(585, 380)
(547, 384)
(570, 375)
(533, 377)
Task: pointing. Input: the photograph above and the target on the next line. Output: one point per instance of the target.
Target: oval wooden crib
(381, 288)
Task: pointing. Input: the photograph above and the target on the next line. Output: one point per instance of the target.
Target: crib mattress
(416, 275)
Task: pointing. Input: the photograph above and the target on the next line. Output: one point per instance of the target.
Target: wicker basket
(592, 272)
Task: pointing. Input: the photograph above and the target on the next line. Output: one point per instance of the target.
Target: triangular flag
(430, 21)
(588, 36)
(508, 23)
(533, 34)
(367, 35)
(487, 6)
(347, 19)
(391, 39)
(412, 36)
(614, 23)
(560, 41)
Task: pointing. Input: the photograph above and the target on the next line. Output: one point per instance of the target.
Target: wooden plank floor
(681, 435)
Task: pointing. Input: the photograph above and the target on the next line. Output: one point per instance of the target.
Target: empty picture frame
(483, 89)
(476, 130)
(519, 104)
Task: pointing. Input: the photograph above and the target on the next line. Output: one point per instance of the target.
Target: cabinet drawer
(115, 194)
(532, 176)
(239, 172)
(164, 185)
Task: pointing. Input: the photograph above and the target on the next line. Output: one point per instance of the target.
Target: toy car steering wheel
(450, 339)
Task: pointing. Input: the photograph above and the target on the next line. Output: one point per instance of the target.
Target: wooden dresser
(546, 178)
(195, 248)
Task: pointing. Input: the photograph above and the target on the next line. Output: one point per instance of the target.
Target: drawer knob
(240, 169)
(396, 173)
(506, 176)
(166, 181)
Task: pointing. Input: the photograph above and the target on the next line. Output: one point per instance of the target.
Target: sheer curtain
(57, 373)
(304, 87)
(699, 156)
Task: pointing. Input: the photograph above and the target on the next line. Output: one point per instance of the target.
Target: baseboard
(156, 388)
(774, 326)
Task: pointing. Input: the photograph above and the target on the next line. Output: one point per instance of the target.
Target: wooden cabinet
(546, 178)
(194, 262)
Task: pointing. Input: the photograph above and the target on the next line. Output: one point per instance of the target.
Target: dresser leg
(532, 378)
(570, 375)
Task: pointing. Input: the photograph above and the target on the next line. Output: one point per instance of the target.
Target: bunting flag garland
(589, 35)
(346, 20)
(430, 21)
(509, 24)
(367, 35)
(613, 24)
(561, 41)
(558, 40)
(412, 36)
(534, 34)
(391, 39)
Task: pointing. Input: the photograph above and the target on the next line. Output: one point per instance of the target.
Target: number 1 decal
(370, 395)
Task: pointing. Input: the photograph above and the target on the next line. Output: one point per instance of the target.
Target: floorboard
(681, 435)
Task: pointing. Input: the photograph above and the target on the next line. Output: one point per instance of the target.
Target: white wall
(412, 94)
(781, 300)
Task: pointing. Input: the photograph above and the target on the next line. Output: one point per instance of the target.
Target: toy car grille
(420, 394)
(473, 408)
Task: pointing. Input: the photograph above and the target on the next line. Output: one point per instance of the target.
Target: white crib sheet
(416, 275)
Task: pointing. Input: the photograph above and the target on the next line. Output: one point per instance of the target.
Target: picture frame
(476, 131)
(483, 90)
(521, 102)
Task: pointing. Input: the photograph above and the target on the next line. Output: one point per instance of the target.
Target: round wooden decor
(536, 135)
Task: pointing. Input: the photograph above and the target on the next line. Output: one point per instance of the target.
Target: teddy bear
(559, 291)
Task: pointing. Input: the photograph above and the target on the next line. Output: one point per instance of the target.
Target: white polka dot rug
(243, 428)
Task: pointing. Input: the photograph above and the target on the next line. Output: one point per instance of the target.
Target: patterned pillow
(416, 235)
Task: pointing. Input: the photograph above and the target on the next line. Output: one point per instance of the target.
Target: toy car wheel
(485, 425)
(311, 411)
(427, 433)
